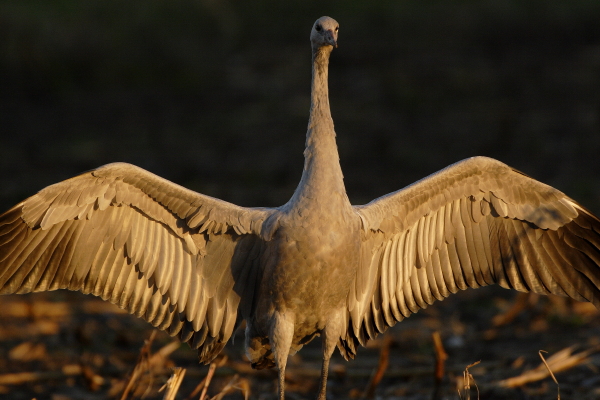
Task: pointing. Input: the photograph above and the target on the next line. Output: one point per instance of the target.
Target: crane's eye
(318, 28)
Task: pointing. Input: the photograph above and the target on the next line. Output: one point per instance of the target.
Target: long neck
(322, 178)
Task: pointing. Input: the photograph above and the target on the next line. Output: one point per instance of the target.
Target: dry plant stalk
(159, 358)
(149, 363)
(20, 378)
(141, 365)
(173, 384)
(234, 383)
(211, 373)
(440, 356)
(550, 371)
(521, 302)
(467, 377)
(384, 358)
(560, 361)
(440, 360)
(203, 385)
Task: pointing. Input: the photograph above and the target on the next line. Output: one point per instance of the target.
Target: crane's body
(317, 233)
(192, 265)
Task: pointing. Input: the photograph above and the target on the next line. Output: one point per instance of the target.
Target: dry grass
(558, 362)
(80, 348)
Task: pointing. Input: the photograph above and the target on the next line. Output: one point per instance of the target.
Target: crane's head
(324, 33)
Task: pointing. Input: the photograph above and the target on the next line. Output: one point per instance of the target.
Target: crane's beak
(330, 38)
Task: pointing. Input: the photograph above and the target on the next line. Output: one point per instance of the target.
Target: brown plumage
(194, 265)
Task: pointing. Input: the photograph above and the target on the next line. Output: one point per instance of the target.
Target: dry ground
(64, 345)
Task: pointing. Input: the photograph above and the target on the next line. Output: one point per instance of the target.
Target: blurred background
(214, 95)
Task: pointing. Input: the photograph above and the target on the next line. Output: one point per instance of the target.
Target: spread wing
(475, 223)
(178, 259)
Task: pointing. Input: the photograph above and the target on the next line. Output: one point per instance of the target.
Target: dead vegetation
(65, 346)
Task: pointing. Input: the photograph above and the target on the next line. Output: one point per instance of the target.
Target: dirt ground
(67, 346)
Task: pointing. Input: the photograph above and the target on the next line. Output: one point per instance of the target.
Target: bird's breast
(312, 263)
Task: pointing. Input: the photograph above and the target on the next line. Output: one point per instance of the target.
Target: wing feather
(439, 271)
(194, 298)
(475, 223)
(430, 281)
(186, 275)
(386, 279)
(446, 267)
(457, 273)
(485, 235)
(465, 245)
(425, 290)
(483, 272)
(164, 253)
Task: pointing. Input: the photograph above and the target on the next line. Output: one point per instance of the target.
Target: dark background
(214, 95)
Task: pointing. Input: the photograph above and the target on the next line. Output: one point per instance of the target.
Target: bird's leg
(282, 382)
(282, 333)
(324, 372)
(331, 335)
